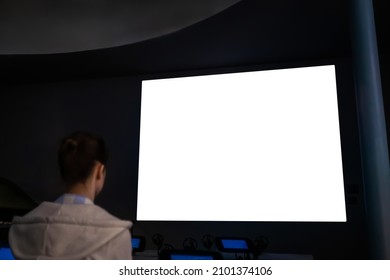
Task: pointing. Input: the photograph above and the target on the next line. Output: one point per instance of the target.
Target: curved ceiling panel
(62, 26)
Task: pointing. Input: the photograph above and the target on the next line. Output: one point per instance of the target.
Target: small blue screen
(135, 242)
(190, 257)
(234, 244)
(6, 254)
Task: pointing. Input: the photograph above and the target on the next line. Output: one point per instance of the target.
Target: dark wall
(34, 117)
(381, 12)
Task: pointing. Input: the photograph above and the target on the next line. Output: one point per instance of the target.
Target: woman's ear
(101, 171)
(100, 178)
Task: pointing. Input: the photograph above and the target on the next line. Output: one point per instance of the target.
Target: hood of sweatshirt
(70, 231)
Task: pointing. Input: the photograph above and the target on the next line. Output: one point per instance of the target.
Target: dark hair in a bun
(78, 154)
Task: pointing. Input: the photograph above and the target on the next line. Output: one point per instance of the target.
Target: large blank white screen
(254, 146)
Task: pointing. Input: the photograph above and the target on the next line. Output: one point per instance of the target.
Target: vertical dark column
(372, 127)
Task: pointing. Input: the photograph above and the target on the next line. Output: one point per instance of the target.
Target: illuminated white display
(253, 146)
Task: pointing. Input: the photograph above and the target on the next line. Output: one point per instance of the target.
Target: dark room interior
(49, 89)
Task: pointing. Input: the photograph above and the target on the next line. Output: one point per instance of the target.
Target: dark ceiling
(252, 32)
(63, 26)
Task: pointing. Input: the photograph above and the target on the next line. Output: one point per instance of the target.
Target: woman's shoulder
(90, 214)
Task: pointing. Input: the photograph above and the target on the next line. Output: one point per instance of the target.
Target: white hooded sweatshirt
(70, 231)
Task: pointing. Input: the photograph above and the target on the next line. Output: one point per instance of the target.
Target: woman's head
(79, 155)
